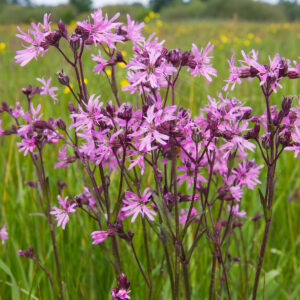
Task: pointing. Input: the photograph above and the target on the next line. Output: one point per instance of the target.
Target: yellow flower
(2, 47)
(250, 36)
(124, 53)
(246, 42)
(147, 19)
(122, 64)
(224, 39)
(151, 14)
(124, 82)
(108, 72)
(85, 81)
(159, 23)
(67, 90)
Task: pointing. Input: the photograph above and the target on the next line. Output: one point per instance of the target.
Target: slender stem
(139, 264)
(213, 279)
(148, 258)
(261, 258)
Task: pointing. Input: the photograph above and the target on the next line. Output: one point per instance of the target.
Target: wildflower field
(86, 272)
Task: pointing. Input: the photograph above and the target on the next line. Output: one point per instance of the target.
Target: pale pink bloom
(139, 161)
(100, 236)
(150, 127)
(189, 174)
(235, 211)
(46, 89)
(62, 214)
(247, 174)
(3, 234)
(149, 67)
(36, 40)
(17, 110)
(202, 60)
(27, 145)
(236, 192)
(135, 205)
(296, 139)
(184, 214)
(133, 31)
(101, 28)
(120, 294)
(88, 116)
(101, 63)
(234, 75)
(62, 158)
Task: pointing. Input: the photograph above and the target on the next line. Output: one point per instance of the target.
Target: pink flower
(234, 76)
(36, 40)
(247, 174)
(46, 89)
(133, 31)
(100, 236)
(134, 205)
(148, 68)
(3, 234)
(62, 158)
(62, 214)
(122, 294)
(27, 145)
(235, 211)
(150, 127)
(296, 145)
(101, 63)
(189, 174)
(100, 30)
(200, 62)
(88, 116)
(184, 213)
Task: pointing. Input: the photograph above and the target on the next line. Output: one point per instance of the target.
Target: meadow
(85, 271)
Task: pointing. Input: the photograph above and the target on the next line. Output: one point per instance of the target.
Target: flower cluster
(176, 169)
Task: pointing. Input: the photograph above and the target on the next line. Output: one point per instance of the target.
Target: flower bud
(266, 141)
(71, 107)
(125, 112)
(185, 57)
(191, 62)
(293, 74)
(197, 135)
(123, 282)
(286, 104)
(53, 38)
(75, 42)
(60, 124)
(63, 29)
(63, 78)
(174, 57)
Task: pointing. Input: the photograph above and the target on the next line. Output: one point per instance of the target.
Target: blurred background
(16, 11)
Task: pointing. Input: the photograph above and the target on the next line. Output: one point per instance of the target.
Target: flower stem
(261, 257)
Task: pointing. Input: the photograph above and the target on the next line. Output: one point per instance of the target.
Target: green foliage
(14, 14)
(220, 9)
(82, 5)
(184, 11)
(157, 5)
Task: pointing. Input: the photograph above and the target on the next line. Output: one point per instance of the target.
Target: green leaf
(14, 287)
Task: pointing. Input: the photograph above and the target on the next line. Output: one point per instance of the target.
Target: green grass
(85, 270)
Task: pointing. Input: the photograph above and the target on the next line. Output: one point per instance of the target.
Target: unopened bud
(63, 78)
(63, 29)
